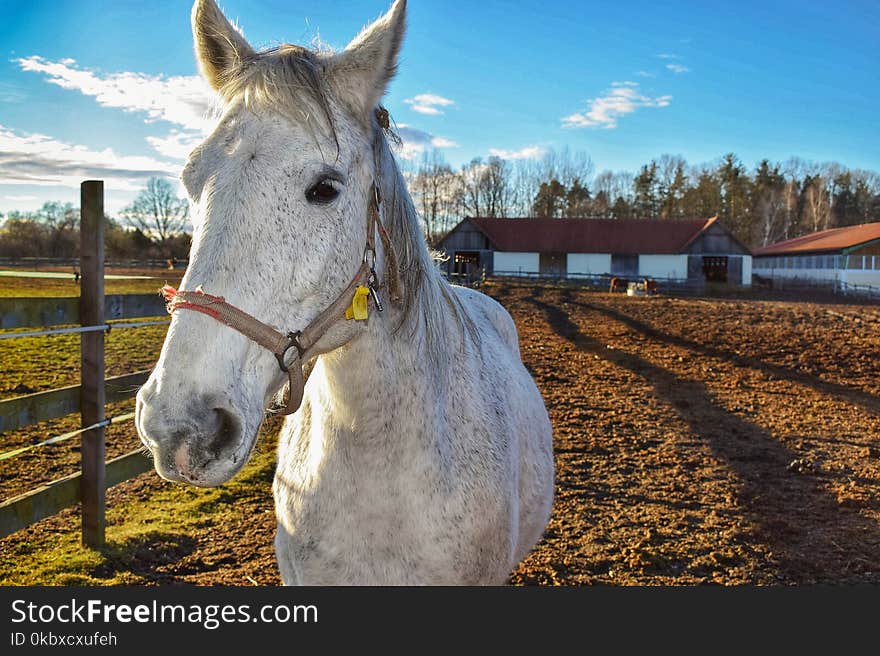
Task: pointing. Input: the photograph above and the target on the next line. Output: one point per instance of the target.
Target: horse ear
(363, 70)
(220, 47)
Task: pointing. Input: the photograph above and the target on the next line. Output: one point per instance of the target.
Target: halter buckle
(373, 286)
(292, 341)
(370, 256)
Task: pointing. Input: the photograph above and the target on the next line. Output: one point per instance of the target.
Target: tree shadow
(868, 401)
(812, 537)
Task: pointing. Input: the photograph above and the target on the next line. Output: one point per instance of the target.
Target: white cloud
(528, 152)
(416, 141)
(19, 199)
(443, 142)
(621, 99)
(666, 55)
(186, 101)
(677, 68)
(428, 103)
(644, 74)
(176, 144)
(36, 159)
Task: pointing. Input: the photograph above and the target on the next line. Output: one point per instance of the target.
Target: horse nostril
(226, 433)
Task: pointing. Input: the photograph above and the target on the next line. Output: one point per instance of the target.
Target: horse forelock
(287, 79)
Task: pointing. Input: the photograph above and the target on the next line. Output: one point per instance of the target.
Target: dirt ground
(697, 441)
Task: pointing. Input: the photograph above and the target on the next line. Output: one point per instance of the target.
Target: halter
(300, 341)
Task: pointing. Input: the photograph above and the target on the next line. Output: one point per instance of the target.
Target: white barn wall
(663, 266)
(592, 263)
(861, 277)
(803, 274)
(849, 276)
(516, 262)
(747, 270)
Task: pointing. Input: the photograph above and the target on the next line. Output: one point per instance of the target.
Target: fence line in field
(84, 329)
(66, 436)
(92, 310)
(123, 263)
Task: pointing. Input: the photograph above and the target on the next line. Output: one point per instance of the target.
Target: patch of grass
(44, 363)
(150, 524)
(141, 534)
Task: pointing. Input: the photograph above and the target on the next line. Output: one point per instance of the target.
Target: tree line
(152, 227)
(772, 202)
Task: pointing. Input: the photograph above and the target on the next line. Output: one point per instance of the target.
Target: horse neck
(370, 377)
(395, 356)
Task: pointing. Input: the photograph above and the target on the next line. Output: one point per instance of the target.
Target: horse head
(279, 196)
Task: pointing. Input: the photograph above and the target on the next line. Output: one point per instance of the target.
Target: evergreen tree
(577, 200)
(550, 200)
(645, 190)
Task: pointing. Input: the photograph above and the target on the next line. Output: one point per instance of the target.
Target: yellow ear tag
(358, 308)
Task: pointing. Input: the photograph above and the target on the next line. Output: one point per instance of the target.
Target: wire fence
(97, 314)
(106, 328)
(66, 436)
(120, 263)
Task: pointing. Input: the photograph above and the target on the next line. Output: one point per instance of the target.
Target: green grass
(166, 520)
(33, 364)
(147, 516)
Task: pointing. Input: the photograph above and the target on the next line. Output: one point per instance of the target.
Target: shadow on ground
(792, 514)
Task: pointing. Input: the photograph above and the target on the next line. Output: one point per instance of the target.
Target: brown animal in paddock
(618, 285)
(650, 286)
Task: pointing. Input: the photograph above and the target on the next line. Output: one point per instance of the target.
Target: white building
(694, 249)
(845, 257)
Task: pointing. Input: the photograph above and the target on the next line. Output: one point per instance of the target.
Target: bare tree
(525, 183)
(435, 188)
(817, 208)
(494, 183)
(770, 211)
(472, 202)
(62, 221)
(158, 212)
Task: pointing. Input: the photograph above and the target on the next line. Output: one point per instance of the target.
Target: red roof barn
(672, 249)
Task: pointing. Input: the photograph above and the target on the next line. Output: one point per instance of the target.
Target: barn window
(715, 268)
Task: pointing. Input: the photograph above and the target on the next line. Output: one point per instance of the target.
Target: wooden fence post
(92, 394)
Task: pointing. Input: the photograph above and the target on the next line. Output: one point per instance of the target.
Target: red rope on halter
(176, 301)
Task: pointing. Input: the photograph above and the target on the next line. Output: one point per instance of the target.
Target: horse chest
(360, 516)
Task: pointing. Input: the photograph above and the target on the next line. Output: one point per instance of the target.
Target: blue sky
(109, 88)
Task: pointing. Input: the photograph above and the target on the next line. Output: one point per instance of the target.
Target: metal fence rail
(66, 436)
(72, 261)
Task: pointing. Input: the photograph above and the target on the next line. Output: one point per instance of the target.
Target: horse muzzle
(205, 446)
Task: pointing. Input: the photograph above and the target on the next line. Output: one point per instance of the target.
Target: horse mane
(427, 296)
(290, 80)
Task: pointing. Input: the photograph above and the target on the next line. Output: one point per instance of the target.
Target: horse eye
(322, 192)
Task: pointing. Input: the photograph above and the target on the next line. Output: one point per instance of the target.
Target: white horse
(421, 453)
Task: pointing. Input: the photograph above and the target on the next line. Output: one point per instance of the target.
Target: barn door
(734, 270)
(695, 267)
